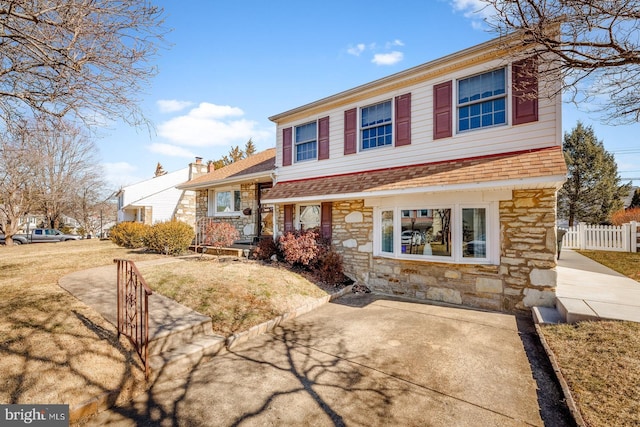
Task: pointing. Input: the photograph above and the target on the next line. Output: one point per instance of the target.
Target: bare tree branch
(597, 48)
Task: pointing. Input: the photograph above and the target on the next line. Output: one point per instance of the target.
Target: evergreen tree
(635, 200)
(249, 148)
(592, 191)
(235, 153)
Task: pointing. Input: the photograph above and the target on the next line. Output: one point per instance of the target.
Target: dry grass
(601, 363)
(236, 294)
(627, 263)
(53, 348)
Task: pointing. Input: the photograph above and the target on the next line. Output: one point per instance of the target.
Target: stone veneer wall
(525, 277)
(186, 208)
(247, 225)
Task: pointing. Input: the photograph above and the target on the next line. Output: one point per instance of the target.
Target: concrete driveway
(365, 360)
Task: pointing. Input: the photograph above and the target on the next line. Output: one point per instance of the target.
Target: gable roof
(260, 165)
(525, 168)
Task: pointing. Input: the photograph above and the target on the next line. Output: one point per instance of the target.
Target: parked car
(40, 235)
(412, 237)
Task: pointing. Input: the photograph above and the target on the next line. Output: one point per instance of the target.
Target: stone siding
(247, 225)
(525, 277)
(529, 249)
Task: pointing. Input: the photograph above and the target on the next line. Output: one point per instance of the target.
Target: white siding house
(438, 182)
(152, 201)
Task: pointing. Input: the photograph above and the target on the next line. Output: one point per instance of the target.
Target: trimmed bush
(329, 268)
(266, 248)
(170, 237)
(300, 247)
(129, 234)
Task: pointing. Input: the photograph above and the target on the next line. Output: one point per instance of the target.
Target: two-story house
(437, 183)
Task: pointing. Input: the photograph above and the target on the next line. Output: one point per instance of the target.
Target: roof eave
(226, 181)
(554, 181)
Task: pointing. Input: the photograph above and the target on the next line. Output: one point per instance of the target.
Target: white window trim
(492, 235)
(295, 143)
(507, 96)
(392, 122)
(212, 201)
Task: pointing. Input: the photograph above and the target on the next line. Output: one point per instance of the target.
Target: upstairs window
(482, 100)
(306, 142)
(376, 125)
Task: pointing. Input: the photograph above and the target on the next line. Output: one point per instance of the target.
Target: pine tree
(592, 191)
(635, 200)
(249, 148)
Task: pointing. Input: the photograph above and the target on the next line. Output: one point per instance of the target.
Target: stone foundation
(525, 277)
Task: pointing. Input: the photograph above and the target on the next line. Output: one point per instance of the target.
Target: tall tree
(635, 200)
(86, 58)
(597, 47)
(64, 169)
(16, 177)
(235, 153)
(592, 191)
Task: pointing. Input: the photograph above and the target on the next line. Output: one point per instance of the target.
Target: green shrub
(129, 234)
(170, 237)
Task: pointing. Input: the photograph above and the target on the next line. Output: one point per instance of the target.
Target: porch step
(184, 358)
(174, 336)
(575, 310)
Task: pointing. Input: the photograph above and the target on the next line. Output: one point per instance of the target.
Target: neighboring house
(438, 182)
(234, 194)
(157, 199)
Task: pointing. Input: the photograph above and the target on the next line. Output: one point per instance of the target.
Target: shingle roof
(539, 163)
(262, 162)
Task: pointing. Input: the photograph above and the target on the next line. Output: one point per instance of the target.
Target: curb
(571, 403)
(106, 400)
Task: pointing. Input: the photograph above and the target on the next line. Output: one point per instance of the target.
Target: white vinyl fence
(623, 238)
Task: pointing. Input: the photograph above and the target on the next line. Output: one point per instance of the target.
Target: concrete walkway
(588, 290)
(364, 360)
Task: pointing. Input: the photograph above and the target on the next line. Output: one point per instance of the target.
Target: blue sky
(230, 65)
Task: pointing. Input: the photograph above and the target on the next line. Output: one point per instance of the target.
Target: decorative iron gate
(133, 308)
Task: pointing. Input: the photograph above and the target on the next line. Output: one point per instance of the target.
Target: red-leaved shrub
(329, 268)
(266, 248)
(220, 234)
(300, 247)
(625, 216)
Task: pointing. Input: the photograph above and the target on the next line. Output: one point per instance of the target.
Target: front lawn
(627, 263)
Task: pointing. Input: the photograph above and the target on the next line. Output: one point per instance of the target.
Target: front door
(265, 222)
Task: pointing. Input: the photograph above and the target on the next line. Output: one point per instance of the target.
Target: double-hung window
(224, 202)
(482, 100)
(306, 142)
(376, 127)
(455, 233)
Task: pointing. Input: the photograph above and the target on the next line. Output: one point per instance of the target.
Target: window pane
(309, 217)
(236, 201)
(223, 201)
(426, 232)
(474, 232)
(387, 232)
(305, 143)
(475, 110)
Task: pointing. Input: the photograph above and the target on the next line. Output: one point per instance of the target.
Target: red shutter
(323, 138)
(325, 220)
(524, 76)
(442, 110)
(288, 218)
(350, 131)
(403, 120)
(286, 146)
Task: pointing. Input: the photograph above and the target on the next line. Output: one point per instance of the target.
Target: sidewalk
(588, 290)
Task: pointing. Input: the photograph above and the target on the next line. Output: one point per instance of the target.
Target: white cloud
(211, 125)
(172, 105)
(476, 10)
(356, 50)
(396, 42)
(170, 150)
(387, 58)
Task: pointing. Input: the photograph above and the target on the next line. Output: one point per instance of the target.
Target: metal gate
(133, 308)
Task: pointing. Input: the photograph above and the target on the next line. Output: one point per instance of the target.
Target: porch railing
(133, 308)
